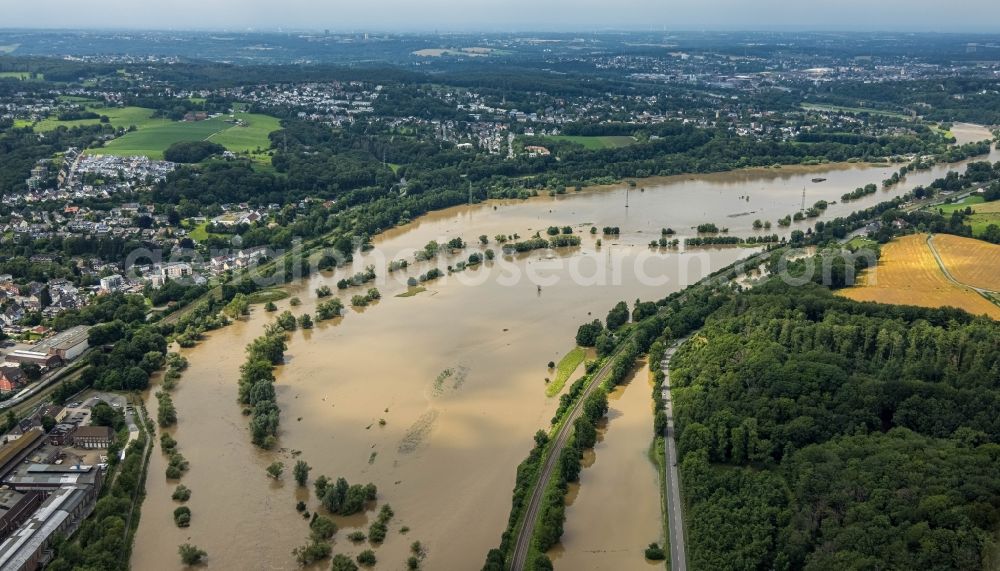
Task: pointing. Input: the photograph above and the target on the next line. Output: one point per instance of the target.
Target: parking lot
(79, 411)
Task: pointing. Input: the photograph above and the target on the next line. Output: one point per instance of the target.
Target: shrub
(182, 516)
(190, 554)
(655, 553)
(342, 562)
(367, 558)
(182, 493)
(357, 536)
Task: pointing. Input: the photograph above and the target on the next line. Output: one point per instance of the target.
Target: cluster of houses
(50, 298)
(83, 176)
(333, 102)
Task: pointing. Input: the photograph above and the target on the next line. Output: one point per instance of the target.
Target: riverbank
(491, 327)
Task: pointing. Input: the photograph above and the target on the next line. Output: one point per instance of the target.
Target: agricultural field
(120, 117)
(591, 143)
(908, 274)
(154, 139)
(969, 261)
(248, 138)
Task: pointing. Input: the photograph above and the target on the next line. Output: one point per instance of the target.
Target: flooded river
(613, 513)
(456, 372)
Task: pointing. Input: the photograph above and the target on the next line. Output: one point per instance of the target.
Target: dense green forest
(820, 433)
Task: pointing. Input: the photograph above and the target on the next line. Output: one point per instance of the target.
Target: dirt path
(988, 294)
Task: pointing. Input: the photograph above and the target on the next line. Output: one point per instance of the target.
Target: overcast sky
(506, 15)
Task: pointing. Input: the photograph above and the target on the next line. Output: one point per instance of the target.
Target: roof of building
(9, 499)
(9, 451)
(18, 549)
(64, 340)
(93, 432)
(14, 374)
(50, 479)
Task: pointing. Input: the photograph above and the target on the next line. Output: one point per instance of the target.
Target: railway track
(527, 529)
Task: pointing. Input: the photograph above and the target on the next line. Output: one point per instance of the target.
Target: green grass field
(8, 48)
(860, 242)
(23, 75)
(121, 117)
(200, 232)
(266, 295)
(248, 138)
(153, 135)
(569, 363)
(152, 140)
(984, 213)
(840, 109)
(601, 142)
(960, 205)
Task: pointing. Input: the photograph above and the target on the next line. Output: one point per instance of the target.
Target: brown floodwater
(457, 372)
(613, 513)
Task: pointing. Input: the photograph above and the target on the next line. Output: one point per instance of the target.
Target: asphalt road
(675, 519)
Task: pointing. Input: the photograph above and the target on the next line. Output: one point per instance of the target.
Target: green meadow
(154, 134)
(984, 213)
(153, 139)
(121, 118)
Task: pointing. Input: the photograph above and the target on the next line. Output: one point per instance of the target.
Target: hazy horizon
(973, 16)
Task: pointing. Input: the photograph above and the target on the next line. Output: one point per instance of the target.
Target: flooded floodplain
(435, 397)
(613, 513)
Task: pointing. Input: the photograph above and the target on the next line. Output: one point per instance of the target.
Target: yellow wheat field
(969, 261)
(908, 274)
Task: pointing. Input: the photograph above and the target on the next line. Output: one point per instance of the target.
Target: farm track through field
(909, 273)
(988, 294)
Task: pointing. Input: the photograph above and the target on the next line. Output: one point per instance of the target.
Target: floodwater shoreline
(446, 453)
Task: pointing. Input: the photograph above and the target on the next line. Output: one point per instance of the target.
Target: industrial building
(28, 548)
(93, 437)
(68, 345)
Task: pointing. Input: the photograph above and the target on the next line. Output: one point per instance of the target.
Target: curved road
(527, 529)
(675, 519)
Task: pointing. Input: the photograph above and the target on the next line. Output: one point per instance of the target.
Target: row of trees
(256, 384)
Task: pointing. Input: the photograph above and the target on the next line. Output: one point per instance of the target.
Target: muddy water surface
(613, 513)
(456, 372)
